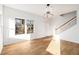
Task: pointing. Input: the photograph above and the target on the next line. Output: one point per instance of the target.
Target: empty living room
(39, 29)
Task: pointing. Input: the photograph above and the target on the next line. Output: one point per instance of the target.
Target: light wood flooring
(69, 48)
(32, 47)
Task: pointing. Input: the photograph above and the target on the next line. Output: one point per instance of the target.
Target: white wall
(1, 29)
(40, 27)
(71, 34)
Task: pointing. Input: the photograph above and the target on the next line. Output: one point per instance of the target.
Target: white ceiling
(40, 9)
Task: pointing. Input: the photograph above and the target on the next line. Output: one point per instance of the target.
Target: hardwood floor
(69, 48)
(32, 47)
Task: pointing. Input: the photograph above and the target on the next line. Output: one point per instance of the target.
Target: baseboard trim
(76, 42)
(43, 37)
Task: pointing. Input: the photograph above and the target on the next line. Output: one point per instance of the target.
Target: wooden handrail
(65, 23)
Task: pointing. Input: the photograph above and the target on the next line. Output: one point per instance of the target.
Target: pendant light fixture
(48, 12)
